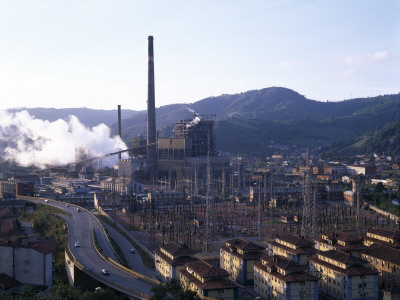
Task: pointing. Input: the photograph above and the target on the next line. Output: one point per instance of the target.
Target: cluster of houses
(337, 264)
(24, 258)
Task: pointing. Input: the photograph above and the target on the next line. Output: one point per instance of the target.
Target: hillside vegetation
(265, 121)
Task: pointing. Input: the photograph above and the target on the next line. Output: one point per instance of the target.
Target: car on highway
(78, 209)
(46, 200)
(105, 272)
(133, 250)
(77, 244)
(67, 205)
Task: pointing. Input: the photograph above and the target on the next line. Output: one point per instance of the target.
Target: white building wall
(48, 269)
(29, 266)
(6, 261)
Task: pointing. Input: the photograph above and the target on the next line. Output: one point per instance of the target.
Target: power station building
(186, 155)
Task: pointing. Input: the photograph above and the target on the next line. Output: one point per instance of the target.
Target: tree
(172, 290)
(379, 187)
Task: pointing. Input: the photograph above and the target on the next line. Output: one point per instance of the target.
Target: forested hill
(252, 121)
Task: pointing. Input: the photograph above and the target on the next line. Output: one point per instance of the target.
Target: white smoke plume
(29, 141)
(195, 120)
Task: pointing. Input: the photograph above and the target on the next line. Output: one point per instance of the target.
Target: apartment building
(343, 276)
(237, 257)
(340, 241)
(294, 247)
(278, 277)
(28, 260)
(208, 280)
(171, 258)
(382, 236)
(387, 261)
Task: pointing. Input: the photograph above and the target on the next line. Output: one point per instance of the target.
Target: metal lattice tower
(358, 202)
(308, 224)
(210, 220)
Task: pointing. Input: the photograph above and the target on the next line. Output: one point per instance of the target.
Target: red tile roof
(342, 257)
(7, 213)
(44, 246)
(296, 272)
(206, 270)
(386, 233)
(179, 261)
(299, 251)
(384, 253)
(213, 284)
(176, 250)
(350, 271)
(243, 245)
(295, 240)
(342, 236)
(10, 227)
(7, 282)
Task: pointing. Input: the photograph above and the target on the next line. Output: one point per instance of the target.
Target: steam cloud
(29, 141)
(196, 118)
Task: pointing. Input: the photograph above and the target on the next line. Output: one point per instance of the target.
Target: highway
(134, 259)
(81, 225)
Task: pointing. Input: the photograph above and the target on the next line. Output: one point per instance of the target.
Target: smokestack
(119, 127)
(151, 109)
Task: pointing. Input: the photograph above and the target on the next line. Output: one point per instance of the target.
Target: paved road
(134, 260)
(80, 226)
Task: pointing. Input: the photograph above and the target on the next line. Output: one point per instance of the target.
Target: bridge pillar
(78, 278)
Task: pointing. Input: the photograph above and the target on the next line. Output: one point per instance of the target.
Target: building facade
(278, 277)
(237, 257)
(387, 261)
(343, 276)
(208, 280)
(293, 247)
(171, 258)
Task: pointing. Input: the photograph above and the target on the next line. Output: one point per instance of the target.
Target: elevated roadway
(86, 257)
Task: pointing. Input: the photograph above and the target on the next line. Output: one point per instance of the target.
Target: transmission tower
(358, 202)
(308, 225)
(210, 220)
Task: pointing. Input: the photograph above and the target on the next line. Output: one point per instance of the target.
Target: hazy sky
(93, 54)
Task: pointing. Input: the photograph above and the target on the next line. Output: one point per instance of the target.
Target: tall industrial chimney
(151, 111)
(119, 127)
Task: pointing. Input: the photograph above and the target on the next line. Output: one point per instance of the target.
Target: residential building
(294, 247)
(278, 277)
(28, 260)
(13, 187)
(344, 276)
(237, 257)
(208, 280)
(382, 236)
(387, 261)
(171, 258)
(340, 241)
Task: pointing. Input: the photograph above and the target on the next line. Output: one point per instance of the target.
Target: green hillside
(254, 121)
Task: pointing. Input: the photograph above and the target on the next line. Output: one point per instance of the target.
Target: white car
(77, 244)
(105, 272)
(133, 250)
